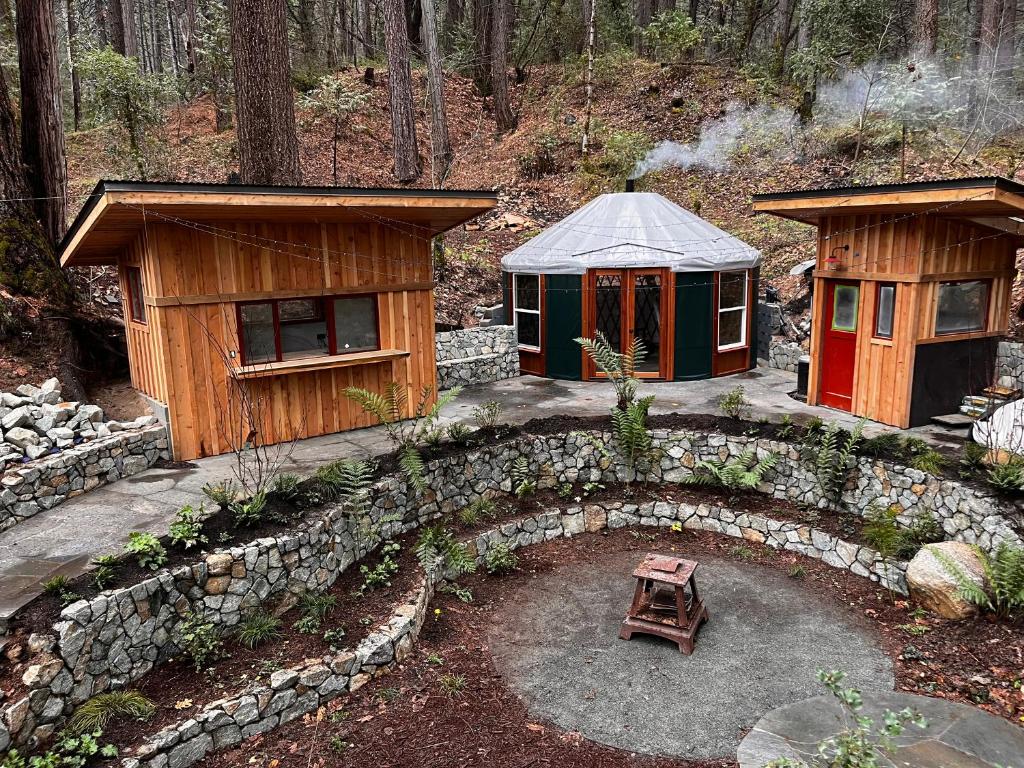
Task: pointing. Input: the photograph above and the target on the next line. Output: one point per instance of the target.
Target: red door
(839, 348)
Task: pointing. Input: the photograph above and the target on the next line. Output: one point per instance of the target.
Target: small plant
(106, 571)
(1008, 477)
(479, 509)
(619, 367)
(589, 489)
(57, 585)
(883, 532)
(307, 625)
(390, 409)
(1004, 577)
(500, 559)
(883, 445)
(632, 439)
(452, 685)
(463, 594)
(916, 630)
(798, 571)
(459, 433)
(523, 483)
(785, 428)
(147, 550)
(487, 414)
(437, 546)
(258, 627)
(433, 658)
(833, 448)
(286, 486)
(98, 711)
(338, 744)
(742, 473)
(380, 575)
(318, 604)
(70, 751)
(200, 639)
(186, 529)
(862, 744)
(335, 638)
(972, 458)
(388, 694)
(742, 552)
(564, 490)
(250, 512)
(222, 494)
(922, 457)
(734, 403)
(348, 481)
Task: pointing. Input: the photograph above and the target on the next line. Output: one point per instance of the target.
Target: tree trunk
(102, 23)
(268, 149)
(588, 106)
(974, 34)
(504, 116)
(644, 13)
(440, 144)
(308, 37)
(926, 26)
(6, 22)
(1007, 39)
(42, 126)
(455, 14)
(121, 21)
(172, 37)
(76, 83)
(482, 69)
(190, 36)
(366, 11)
(403, 120)
(783, 34)
(694, 6)
(413, 24)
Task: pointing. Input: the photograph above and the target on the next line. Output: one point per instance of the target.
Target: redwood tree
(42, 126)
(403, 119)
(440, 144)
(500, 30)
(268, 149)
(926, 26)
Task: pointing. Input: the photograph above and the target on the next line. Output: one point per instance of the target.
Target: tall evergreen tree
(403, 118)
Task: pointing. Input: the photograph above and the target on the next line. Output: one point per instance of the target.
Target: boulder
(19, 417)
(21, 437)
(933, 586)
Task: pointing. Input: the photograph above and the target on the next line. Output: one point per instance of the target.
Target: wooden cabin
(248, 310)
(911, 291)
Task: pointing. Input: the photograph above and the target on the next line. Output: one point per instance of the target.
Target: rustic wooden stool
(665, 602)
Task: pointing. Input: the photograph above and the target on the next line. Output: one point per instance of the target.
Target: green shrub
(742, 473)
(885, 444)
(523, 483)
(287, 486)
(459, 433)
(223, 494)
(487, 414)
(102, 708)
(452, 685)
(540, 160)
(922, 457)
(972, 458)
(147, 550)
(258, 627)
(832, 448)
(734, 403)
(70, 751)
(885, 533)
(1008, 477)
(1004, 577)
(248, 513)
(477, 510)
(186, 529)
(380, 575)
(106, 571)
(500, 558)
(200, 639)
(671, 35)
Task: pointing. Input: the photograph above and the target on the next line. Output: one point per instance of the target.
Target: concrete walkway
(63, 540)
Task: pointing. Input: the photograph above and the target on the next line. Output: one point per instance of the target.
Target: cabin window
(885, 310)
(526, 303)
(136, 298)
(732, 310)
(292, 329)
(844, 308)
(962, 307)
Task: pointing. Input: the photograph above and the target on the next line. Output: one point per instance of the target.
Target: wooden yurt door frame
(627, 306)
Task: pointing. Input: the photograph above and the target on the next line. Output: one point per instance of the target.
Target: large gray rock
(21, 438)
(933, 584)
(18, 417)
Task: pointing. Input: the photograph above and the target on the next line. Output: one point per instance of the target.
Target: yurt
(634, 264)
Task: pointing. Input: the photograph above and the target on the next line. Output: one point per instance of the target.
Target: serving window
(293, 329)
(732, 310)
(962, 307)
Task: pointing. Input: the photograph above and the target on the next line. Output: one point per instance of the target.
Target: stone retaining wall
(47, 482)
(784, 355)
(115, 638)
(298, 690)
(1010, 361)
(476, 356)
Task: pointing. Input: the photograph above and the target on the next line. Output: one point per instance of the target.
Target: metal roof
(968, 182)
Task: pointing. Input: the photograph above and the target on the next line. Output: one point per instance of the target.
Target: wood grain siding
(144, 365)
(185, 354)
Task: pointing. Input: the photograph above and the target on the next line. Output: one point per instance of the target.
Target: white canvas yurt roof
(631, 229)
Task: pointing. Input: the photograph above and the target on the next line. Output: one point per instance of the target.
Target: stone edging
(298, 690)
(476, 355)
(43, 484)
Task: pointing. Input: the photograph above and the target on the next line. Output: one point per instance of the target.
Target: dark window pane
(886, 310)
(608, 303)
(527, 292)
(962, 307)
(303, 328)
(136, 301)
(528, 326)
(730, 327)
(732, 290)
(355, 324)
(258, 333)
(844, 310)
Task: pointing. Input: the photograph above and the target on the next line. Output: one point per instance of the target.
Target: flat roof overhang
(117, 211)
(991, 201)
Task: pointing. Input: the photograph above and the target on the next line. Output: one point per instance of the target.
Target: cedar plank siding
(191, 282)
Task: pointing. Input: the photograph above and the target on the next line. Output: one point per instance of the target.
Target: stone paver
(64, 539)
(555, 639)
(957, 736)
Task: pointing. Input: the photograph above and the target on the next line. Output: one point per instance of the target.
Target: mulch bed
(406, 718)
(178, 690)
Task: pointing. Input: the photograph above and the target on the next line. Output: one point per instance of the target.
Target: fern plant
(632, 439)
(348, 480)
(742, 473)
(619, 367)
(437, 545)
(1004, 576)
(390, 409)
(523, 483)
(1007, 477)
(832, 453)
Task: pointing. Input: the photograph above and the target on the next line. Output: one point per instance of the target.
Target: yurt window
(732, 310)
(526, 303)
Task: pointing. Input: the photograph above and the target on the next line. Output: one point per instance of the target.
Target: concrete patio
(64, 540)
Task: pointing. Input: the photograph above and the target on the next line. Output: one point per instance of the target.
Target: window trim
(136, 295)
(328, 312)
(878, 303)
(743, 308)
(516, 310)
(985, 318)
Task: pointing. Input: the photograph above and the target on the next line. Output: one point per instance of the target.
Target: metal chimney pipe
(630, 185)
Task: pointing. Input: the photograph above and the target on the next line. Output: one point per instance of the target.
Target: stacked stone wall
(476, 356)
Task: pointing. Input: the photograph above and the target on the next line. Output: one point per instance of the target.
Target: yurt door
(839, 353)
(628, 303)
